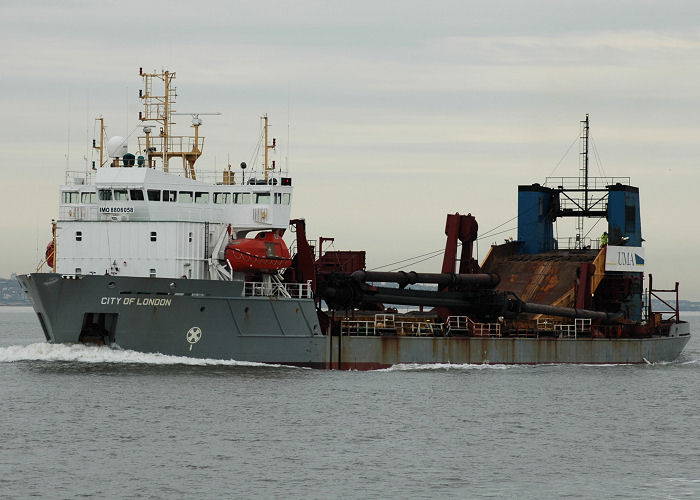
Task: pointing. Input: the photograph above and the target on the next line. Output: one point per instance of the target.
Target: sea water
(91, 421)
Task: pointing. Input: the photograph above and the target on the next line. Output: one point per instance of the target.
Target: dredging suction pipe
(486, 280)
(567, 312)
(344, 295)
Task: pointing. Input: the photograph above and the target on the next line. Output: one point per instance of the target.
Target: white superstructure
(133, 216)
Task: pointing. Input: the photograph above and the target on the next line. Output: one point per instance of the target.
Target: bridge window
(278, 198)
(222, 198)
(262, 198)
(88, 198)
(286, 198)
(201, 197)
(136, 194)
(120, 195)
(70, 197)
(78, 236)
(169, 195)
(241, 198)
(154, 236)
(105, 194)
(185, 196)
(153, 195)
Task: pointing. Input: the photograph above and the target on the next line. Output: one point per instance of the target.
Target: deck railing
(599, 183)
(386, 323)
(357, 328)
(463, 324)
(389, 324)
(580, 326)
(79, 177)
(271, 289)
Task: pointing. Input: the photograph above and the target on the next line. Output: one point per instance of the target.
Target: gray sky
(397, 112)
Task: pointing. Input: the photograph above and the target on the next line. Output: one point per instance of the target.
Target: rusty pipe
(567, 312)
(403, 278)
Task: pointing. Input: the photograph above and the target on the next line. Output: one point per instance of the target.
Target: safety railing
(418, 328)
(357, 328)
(485, 329)
(572, 243)
(271, 289)
(384, 320)
(593, 182)
(457, 324)
(545, 325)
(566, 331)
(79, 177)
(580, 326)
(385, 323)
(463, 324)
(299, 290)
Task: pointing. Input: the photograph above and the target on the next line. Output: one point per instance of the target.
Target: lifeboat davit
(265, 253)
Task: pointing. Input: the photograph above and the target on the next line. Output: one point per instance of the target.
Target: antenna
(127, 108)
(87, 134)
(195, 116)
(68, 151)
(286, 158)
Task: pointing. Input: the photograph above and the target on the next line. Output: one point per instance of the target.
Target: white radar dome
(116, 146)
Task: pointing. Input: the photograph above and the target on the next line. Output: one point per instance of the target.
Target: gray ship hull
(213, 319)
(180, 317)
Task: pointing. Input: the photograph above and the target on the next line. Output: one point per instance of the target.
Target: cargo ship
(149, 256)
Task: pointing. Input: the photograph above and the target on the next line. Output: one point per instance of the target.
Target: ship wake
(81, 353)
(445, 366)
(496, 366)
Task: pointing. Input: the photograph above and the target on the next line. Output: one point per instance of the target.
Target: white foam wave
(500, 366)
(602, 365)
(80, 353)
(445, 366)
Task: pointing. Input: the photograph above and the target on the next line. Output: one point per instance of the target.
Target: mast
(268, 168)
(583, 181)
(160, 109)
(101, 147)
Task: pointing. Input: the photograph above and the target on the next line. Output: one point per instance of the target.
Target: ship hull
(180, 317)
(213, 319)
(362, 353)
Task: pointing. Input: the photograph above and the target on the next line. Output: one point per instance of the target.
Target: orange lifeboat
(50, 254)
(266, 253)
